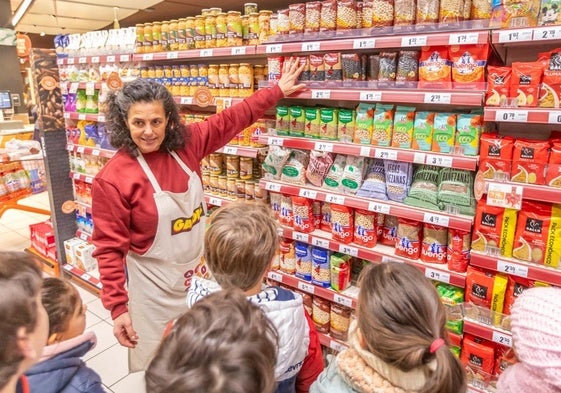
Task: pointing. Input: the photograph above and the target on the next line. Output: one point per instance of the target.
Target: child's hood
(73, 346)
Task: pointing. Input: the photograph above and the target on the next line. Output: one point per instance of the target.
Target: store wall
(10, 76)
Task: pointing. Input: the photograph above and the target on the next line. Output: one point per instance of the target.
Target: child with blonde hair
(398, 343)
(240, 244)
(61, 368)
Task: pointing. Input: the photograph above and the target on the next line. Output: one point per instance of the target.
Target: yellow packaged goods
(364, 123)
(297, 17)
(427, 11)
(403, 127)
(221, 29)
(382, 13)
(538, 234)
(480, 9)
(328, 15)
(486, 289)
(451, 11)
(200, 32)
(515, 14)
(313, 10)
(383, 125)
(468, 65)
(234, 35)
(264, 25)
(494, 228)
(346, 14)
(404, 12)
(434, 67)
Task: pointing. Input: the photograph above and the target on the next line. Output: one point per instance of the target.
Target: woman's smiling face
(147, 124)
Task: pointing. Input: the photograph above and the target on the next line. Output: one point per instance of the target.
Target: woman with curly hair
(148, 206)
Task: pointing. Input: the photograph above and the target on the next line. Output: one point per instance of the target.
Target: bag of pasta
(342, 223)
(435, 68)
(468, 65)
(365, 233)
(408, 240)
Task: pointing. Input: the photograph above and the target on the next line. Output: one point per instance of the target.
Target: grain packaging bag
(434, 244)
(408, 239)
(494, 228)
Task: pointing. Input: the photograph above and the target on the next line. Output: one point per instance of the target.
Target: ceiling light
(42, 34)
(22, 9)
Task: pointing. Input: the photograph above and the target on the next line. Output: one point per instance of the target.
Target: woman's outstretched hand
(290, 73)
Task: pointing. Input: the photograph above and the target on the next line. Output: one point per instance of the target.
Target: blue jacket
(63, 371)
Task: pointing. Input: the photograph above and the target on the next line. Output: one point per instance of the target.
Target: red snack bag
(516, 285)
(458, 250)
(553, 174)
(496, 155)
(326, 217)
(365, 233)
(498, 85)
(478, 353)
(408, 240)
(435, 68)
(303, 218)
(342, 223)
(468, 65)
(525, 82)
(389, 230)
(485, 289)
(529, 160)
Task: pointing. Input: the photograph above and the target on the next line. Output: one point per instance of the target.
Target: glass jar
(234, 77)
(224, 80)
(213, 81)
(216, 163)
(231, 187)
(245, 79)
(253, 29)
(221, 30)
(264, 20)
(215, 11)
(176, 71)
(249, 8)
(164, 41)
(181, 34)
(232, 166)
(184, 70)
(274, 25)
(172, 38)
(200, 32)
(245, 29)
(157, 36)
(138, 45)
(210, 31)
(240, 189)
(234, 36)
(222, 185)
(213, 182)
(246, 168)
(249, 190)
(258, 75)
(190, 32)
(147, 43)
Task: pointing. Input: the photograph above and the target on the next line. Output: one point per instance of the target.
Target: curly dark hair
(142, 90)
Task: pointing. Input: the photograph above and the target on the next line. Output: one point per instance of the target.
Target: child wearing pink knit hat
(536, 333)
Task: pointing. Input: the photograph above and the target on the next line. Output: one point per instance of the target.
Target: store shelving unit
(197, 54)
(534, 192)
(523, 115)
(93, 151)
(84, 277)
(491, 333)
(85, 116)
(120, 58)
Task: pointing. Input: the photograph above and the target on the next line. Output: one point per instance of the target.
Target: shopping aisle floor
(108, 358)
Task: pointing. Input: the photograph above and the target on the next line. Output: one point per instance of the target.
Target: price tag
(386, 259)
(502, 338)
(186, 100)
(95, 59)
(337, 346)
(311, 46)
(316, 241)
(310, 194)
(419, 158)
(348, 250)
(60, 62)
(85, 276)
(419, 40)
(101, 118)
(334, 198)
(73, 87)
(70, 60)
(172, 55)
(90, 88)
(230, 150)
(80, 149)
(82, 116)
(554, 118)
(83, 236)
(547, 33)
(96, 152)
(365, 151)
(206, 52)
(436, 219)
(275, 276)
(385, 154)
(76, 176)
(437, 275)
(68, 267)
(512, 268)
(303, 286)
(215, 201)
(82, 60)
(515, 35)
(301, 237)
(438, 98)
(321, 94)
(146, 56)
(371, 96)
(274, 187)
(444, 161)
(364, 43)
(505, 195)
(275, 141)
(323, 146)
(463, 38)
(345, 301)
(238, 50)
(277, 48)
(124, 58)
(379, 207)
(110, 59)
(88, 179)
(515, 115)
(66, 115)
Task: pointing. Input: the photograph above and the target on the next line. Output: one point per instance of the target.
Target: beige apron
(158, 279)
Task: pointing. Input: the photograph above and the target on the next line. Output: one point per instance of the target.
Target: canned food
(138, 48)
(260, 193)
(190, 32)
(172, 36)
(234, 35)
(233, 75)
(165, 36)
(253, 33)
(232, 166)
(224, 80)
(147, 43)
(283, 21)
(264, 20)
(200, 32)
(249, 8)
(216, 162)
(297, 18)
(221, 29)
(246, 168)
(210, 31)
(157, 36)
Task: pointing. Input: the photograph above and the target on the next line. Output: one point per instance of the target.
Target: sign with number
(515, 35)
(547, 33)
(230, 150)
(418, 40)
(272, 187)
(310, 194)
(318, 242)
(215, 201)
(554, 118)
(514, 115)
(502, 338)
(463, 38)
(124, 58)
(438, 98)
(379, 207)
(337, 346)
(277, 48)
(95, 59)
(275, 276)
(512, 268)
(96, 152)
(83, 236)
(82, 60)
(370, 96)
(364, 43)
(334, 198)
(172, 55)
(311, 46)
(437, 275)
(310, 288)
(436, 219)
(101, 118)
(385, 154)
(348, 250)
(81, 116)
(437, 160)
(186, 100)
(146, 57)
(275, 141)
(238, 50)
(68, 267)
(505, 195)
(365, 151)
(110, 59)
(321, 94)
(345, 301)
(301, 237)
(80, 149)
(206, 52)
(70, 60)
(323, 146)
(85, 276)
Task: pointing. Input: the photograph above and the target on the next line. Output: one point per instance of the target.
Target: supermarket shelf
(93, 151)
(84, 116)
(327, 341)
(94, 59)
(81, 207)
(537, 35)
(81, 177)
(48, 265)
(234, 51)
(516, 268)
(308, 287)
(393, 40)
(378, 253)
(397, 95)
(217, 201)
(242, 151)
(188, 100)
(460, 222)
(84, 277)
(533, 191)
(525, 115)
(82, 85)
(387, 153)
(487, 332)
(85, 236)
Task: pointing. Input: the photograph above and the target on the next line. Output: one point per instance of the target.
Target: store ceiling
(77, 16)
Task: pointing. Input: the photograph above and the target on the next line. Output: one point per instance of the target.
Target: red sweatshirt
(124, 211)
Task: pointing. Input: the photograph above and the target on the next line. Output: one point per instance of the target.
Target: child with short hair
(240, 244)
(222, 344)
(536, 339)
(399, 342)
(25, 325)
(61, 368)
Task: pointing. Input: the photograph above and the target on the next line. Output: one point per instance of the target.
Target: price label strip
(419, 40)
(238, 50)
(512, 268)
(273, 48)
(554, 118)
(310, 288)
(215, 201)
(124, 58)
(311, 46)
(318, 242)
(337, 346)
(111, 59)
(206, 52)
(385, 154)
(437, 160)
(273, 187)
(513, 115)
(300, 237)
(364, 43)
(344, 300)
(310, 194)
(348, 250)
(504, 195)
(321, 94)
(515, 35)
(275, 276)
(275, 141)
(370, 96)
(334, 198)
(323, 146)
(379, 207)
(145, 57)
(186, 100)
(438, 98)
(463, 38)
(172, 55)
(547, 33)
(230, 150)
(436, 219)
(502, 338)
(437, 275)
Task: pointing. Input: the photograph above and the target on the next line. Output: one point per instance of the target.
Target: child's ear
(53, 338)
(360, 338)
(24, 344)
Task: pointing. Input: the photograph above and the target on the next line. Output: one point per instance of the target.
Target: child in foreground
(240, 245)
(24, 323)
(399, 343)
(223, 343)
(536, 338)
(61, 368)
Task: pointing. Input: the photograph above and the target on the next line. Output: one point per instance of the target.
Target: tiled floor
(108, 358)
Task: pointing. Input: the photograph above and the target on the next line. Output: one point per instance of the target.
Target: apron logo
(185, 224)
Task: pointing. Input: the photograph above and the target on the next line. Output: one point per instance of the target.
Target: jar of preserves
(194, 70)
(151, 72)
(157, 36)
(245, 29)
(205, 165)
(249, 190)
(210, 31)
(190, 32)
(264, 20)
(203, 70)
(184, 71)
(221, 30)
(144, 72)
(234, 36)
(245, 79)
(240, 189)
(222, 185)
(215, 10)
(184, 87)
(224, 80)
(165, 36)
(147, 43)
(246, 168)
(172, 37)
(200, 32)
(258, 75)
(213, 183)
(249, 8)
(232, 166)
(159, 71)
(181, 34)
(283, 22)
(138, 45)
(234, 77)
(176, 71)
(205, 11)
(216, 163)
(213, 82)
(231, 187)
(253, 29)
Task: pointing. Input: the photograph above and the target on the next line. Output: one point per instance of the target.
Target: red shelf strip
(84, 116)
(87, 278)
(95, 59)
(490, 333)
(85, 236)
(536, 192)
(81, 177)
(523, 115)
(93, 151)
(235, 51)
(329, 342)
